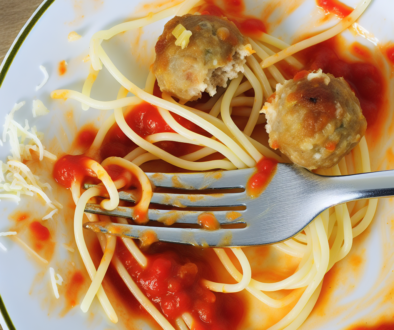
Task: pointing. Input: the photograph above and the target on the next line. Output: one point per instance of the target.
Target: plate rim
(4, 67)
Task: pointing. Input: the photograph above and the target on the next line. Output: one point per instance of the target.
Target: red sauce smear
(86, 136)
(390, 53)
(233, 10)
(39, 234)
(171, 281)
(69, 169)
(361, 51)
(73, 289)
(363, 76)
(145, 119)
(259, 180)
(62, 68)
(208, 221)
(115, 171)
(381, 326)
(334, 7)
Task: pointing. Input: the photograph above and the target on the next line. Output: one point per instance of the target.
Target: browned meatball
(315, 121)
(216, 52)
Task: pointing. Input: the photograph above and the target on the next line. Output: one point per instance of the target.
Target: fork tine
(200, 181)
(202, 200)
(185, 200)
(170, 217)
(221, 237)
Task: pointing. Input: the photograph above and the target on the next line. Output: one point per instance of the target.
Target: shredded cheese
(184, 39)
(50, 215)
(54, 282)
(39, 109)
(9, 117)
(68, 248)
(46, 77)
(178, 31)
(182, 36)
(8, 233)
(16, 178)
(59, 280)
(73, 36)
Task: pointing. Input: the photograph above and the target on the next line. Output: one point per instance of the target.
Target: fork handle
(359, 186)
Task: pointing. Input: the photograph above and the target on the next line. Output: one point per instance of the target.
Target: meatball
(216, 52)
(314, 120)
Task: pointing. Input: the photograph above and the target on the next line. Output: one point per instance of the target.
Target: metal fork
(291, 201)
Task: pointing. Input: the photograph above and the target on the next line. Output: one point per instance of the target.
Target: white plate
(24, 285)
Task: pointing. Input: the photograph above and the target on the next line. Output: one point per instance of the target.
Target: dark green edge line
(21, 39)
(6, 317)
(3, 72)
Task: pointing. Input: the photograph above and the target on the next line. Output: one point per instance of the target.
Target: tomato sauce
(69, 169)
(234, 11)
(363, 76)
(86, 136)
(390, 53)
(259, 180)
(40, 232)
(334, 7)
(73, 289)
(39, 237)
(145, 120)
(208, 221)
(62, 69)
(380, 326)
(172, 281)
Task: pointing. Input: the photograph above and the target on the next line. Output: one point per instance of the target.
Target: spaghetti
(327, 240)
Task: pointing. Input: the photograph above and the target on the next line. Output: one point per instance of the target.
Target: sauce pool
(381, 326)
(363, 76)
(265, 170)
(334, 7)
(172, 281)
(145, 119)
(62, 69)
(390, 53)
(234, 11)
(69, 169)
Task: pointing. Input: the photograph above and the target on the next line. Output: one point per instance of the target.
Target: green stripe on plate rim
(7, 64)
(34, 19)
(6, 317)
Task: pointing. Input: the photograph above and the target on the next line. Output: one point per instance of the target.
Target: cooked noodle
(327, 240)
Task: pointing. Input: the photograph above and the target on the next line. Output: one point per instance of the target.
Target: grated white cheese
(73, 36)
(8, 233)
(68, 248)
(39, 109)
(46, 77)
(9, 117)
(53, 281)
(59, 280)
(16, 178)
(50, 215)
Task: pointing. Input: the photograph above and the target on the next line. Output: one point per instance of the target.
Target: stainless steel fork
(291, 201)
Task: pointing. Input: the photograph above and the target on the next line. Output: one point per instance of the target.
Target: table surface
(13, 15)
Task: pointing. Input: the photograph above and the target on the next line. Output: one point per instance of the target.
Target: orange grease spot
(232, 215)
(208, 221)
(19, 216)
(62, 68)
(73, 289)
(334, 7)
(147, 238)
